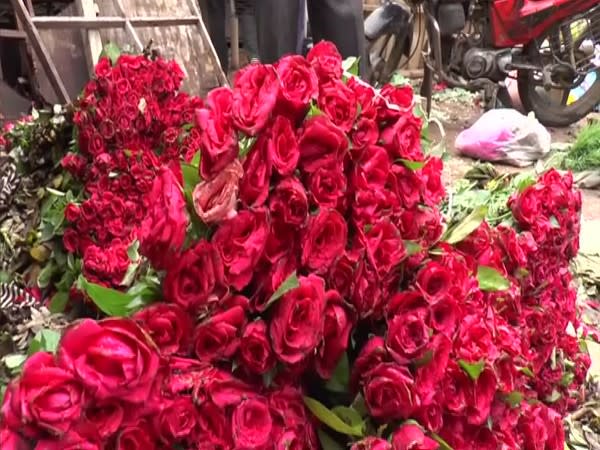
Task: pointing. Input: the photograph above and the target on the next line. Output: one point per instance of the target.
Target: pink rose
(216, 200)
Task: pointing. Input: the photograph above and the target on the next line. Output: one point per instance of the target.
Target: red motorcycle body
(517, 22)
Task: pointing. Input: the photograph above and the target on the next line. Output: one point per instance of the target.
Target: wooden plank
(58, 22)
(129, 27)
(40, 50)
(12, 34)
(92, 41)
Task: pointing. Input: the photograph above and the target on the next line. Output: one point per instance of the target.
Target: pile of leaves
(584, 154)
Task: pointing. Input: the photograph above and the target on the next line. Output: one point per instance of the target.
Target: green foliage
(291, 282)
(490, 280)
(585, 152)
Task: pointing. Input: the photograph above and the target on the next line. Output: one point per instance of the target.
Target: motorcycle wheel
(551, 108)
(385, 54)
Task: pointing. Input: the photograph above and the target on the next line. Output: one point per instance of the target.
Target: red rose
(341, 273)
(299, 85)
(541, 427)
(371, 443)
(255, 92)
(384, 247)
(433, 188)
(371, 355)
(367, 291)
(105, 418)
(71, 240)
(10, 440)
(365, 133)
(297, 324)
(254, 186)
(339, 103)
(218, 142)
(72, 212)
(97, 352)
(193, 280)
(408, 336)
(434, 281)
(327, 186)
(325, 240)
(283, 146)
(288, 203)
(282, 242)
(46, 398)
(74, 164)
(412, 437)
(251, 423)
(106, 265)
(301, 438)
(287, 406)
(336, 334)
(163, 230)
(216, 200)
(168, 325)
(394, 101)
(444, 316)
(137, 436)
(255, 352)
(389, 392)
(326, 60)
(475, 341)
(373, 168)
(240, 243)
(321, 144)
(177, 421)
(403, 138)
(70, 441)
(218, 337)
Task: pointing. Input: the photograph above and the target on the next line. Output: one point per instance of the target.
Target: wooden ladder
(89, 22)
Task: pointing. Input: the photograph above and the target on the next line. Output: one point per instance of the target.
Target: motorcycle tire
(549, 114)
(378, 76)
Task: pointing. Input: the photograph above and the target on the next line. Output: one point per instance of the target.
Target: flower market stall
(269, 268)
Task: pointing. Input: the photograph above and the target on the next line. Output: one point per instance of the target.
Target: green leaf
(133, 251)
(291, 282)
(351, 65)
(349, 415)
(330, 419)
(527, 371)
(196, 159)
(191, 177)
(412, 248)
(554, 222)
(412, 165)
(472, 369)
(469, 224)
(553, 397)
(116, 303)
(327, 442)
(44, 341)
(514, 399)
(567, 379)
(59, 301)
(112, 52)
(14, 361)
(399, 80)
(313, 110)
(45, 275)
(341, 376)
(490, 280)
(443, 444)
(245, 144)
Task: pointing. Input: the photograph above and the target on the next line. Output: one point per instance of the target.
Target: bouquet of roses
(290, 281)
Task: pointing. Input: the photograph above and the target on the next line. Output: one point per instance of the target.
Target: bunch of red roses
(305, 279)
(131, 121)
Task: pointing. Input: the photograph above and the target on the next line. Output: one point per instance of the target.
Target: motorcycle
(549, 46)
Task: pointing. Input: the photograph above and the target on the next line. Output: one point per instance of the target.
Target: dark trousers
(214, 13)
(339, 21)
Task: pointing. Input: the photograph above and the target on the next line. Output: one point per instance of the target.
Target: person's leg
(213, 13)
(277, 22)
(341, 22)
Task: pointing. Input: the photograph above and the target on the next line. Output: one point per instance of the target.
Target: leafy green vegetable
(585, 152)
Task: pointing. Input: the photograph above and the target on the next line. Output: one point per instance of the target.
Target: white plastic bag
(505, 135)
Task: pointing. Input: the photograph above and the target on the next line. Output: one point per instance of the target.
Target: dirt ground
(457, 114)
